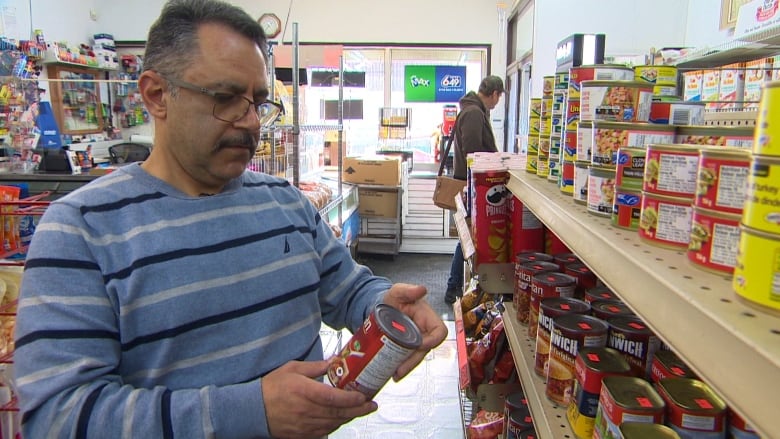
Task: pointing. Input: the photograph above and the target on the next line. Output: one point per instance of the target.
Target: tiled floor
(424, 405)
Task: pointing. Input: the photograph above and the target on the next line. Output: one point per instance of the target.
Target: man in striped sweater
(183, 297)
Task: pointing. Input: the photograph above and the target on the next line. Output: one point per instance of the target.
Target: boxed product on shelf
(756, 74)
(710, 88)
(375, 170)
(378, 203)
(732, 86)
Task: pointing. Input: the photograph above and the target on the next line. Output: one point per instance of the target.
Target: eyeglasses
(231, 107)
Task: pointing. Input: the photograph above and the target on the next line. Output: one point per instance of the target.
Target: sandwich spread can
(715, 136)
(721, 179)
(515, 408)
(767, 135)
(739, 427)
(657, 75)
(387, 338)
(606, 309)
(714, 240)
(601, 191)
(762, 203)
(591, 366)
(570, 332)
(626, 399)
(518, 421)
(608, 72)
(618, 101)
(627, 208)
(544, 285)
(580, 189)
(586, 278)
(609, 137)
(692, 408)
(524, 272)
(758, 269)
(667, 364)
(601, 292)
(665, 221)
(639, 430)
(671, 170)
(549, 309)
(584, 141)
(631, 337)
(630, 165)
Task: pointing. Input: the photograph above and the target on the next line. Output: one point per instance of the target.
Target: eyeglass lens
(235, 108)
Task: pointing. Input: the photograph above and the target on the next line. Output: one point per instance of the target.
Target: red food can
(564, 259)
(387, 338)
(524, 272)
(570, 332)
(601, 292)
(546, 285)
(515, 404)
(714, 240)
(552, 244)
(665, 221)
(626, 399)
(591, 366)
(549, 309)
(606, 309)
(518, 421)
(525, 229)
(586, 278)
(524, 257)
(722, 179)
(667, 364)
(692, 408)
(631, 337)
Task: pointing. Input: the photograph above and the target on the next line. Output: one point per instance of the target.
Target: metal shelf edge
(683, 304)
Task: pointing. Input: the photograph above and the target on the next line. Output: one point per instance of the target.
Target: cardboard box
(378, 203)
(376, 170)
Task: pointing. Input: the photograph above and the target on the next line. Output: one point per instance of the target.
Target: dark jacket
(473, 132)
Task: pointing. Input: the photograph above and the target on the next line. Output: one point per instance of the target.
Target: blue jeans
(456, 271)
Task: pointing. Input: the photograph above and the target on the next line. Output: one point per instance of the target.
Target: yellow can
(543, 165)
(548, 85)
(531, 163)
(756, 281)
(536, 107)
(767, 135)
(761, 210)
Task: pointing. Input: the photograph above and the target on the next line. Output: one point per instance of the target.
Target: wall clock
(271, 25)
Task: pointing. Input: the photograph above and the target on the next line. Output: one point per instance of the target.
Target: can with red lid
(518, 421)
(626, 399)
(564, 259)
(549, 309)
(667, 364)
(516, 407)
(714, 240)
(586, 278)
(721, 180)
(545, 285)
(387, 338)
(601, 292)
(631, 337)
(605, 309)
(535, 256)
(739, 427)
(524, 272)
(570, 332)
(591, 366)
(692, 408)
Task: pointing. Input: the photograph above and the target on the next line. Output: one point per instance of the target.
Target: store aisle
(430, 270)
(424, 405)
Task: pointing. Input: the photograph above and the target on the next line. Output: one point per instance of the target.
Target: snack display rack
(682, 303)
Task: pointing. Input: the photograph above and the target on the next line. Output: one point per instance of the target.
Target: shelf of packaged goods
(733, 347)
(467, 405)
(549, 419)
(746, 48)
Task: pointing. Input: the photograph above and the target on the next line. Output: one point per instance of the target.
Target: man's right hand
(298, 405)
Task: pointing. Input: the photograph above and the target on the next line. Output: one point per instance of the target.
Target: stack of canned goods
(546, 126)
(534, 131)
(759, 243)
(560, 84)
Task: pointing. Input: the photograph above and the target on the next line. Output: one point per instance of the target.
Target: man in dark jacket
(473, 133)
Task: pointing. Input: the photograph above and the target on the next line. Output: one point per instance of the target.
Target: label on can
(544, 285)
(631, 337)
(665, 221)
(714, 240)
(630, 167)
(721, 180)
(667, 364)
(601, 191)
(566, 179)
(549, 309)
(609, 137)
(693, 409)
(767, 126)
(524, 272)
(581, 175)
(570, 332)
(658, 75)
(627, 209)
(387, 338)
(671, 170)
(758, 268)
(600, 72)
(762, 203)
(584, 141)
(619, 101)
(626, 399)
(715, 136)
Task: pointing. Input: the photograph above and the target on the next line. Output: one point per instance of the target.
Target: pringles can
(387, 338)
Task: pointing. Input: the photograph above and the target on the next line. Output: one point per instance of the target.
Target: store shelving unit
(733, 347)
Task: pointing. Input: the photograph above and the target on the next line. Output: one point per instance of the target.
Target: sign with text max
(434, 83)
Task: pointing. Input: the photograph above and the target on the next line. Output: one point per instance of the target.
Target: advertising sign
(434, 83)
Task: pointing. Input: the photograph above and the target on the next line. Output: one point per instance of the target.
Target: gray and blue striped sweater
(146, 313)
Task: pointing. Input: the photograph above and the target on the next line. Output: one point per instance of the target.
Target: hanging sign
(757, 16)
(434, 83)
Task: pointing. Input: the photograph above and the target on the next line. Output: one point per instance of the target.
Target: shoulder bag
(447, 187)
